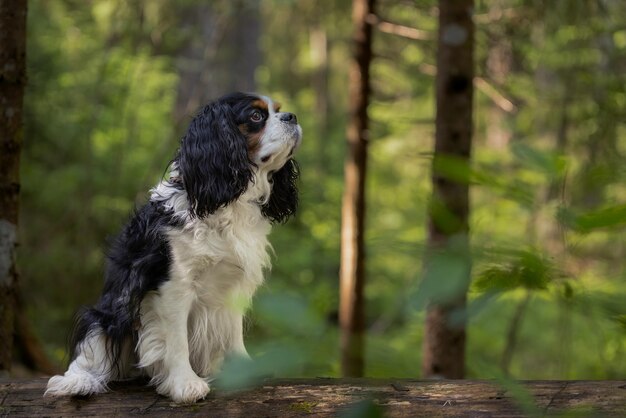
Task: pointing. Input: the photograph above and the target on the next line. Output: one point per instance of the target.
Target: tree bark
(219, 57)
(323, 397)
(352, 273)
(12, 82)
(444, 339)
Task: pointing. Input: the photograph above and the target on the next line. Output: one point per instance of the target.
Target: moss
(306, 407)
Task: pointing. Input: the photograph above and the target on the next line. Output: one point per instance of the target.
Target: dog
(181, 272)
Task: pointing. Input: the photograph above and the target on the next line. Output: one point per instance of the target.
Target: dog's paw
(184, 390)
(74, 384)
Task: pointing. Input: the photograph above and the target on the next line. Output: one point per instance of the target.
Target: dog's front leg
(172, 372)
(238, 347)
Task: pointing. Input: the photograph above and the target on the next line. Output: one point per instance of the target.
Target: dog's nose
(289, 118)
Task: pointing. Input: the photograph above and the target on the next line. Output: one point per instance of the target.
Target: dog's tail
(90, 370)
(98, 355)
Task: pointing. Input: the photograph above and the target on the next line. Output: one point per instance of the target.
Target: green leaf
(452, 168)
(529, 270)
(447, 273)
(608, 217)
(240, 373)
(363, 409)
(545, 161)
(290, 313)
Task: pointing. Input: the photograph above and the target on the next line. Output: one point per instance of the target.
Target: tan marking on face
(260, 104)
(253, 139)
(277, 106)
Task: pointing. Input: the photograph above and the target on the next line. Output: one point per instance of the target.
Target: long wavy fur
(211, 140)
(283, 201)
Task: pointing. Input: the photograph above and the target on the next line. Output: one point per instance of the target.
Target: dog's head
(232, 140)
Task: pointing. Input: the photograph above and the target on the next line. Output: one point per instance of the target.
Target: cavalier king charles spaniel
(181, 271)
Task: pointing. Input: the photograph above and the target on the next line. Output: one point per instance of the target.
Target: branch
(496, 14)
(481, 84)
(497, 97)
(399, 30)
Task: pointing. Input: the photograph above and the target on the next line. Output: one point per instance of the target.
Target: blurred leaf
(481, 303)
(521, 192)
(363, 409)
(522, 397)
(545, 161)
(621, 320)
(452, 168)
(290, 313)
(443, 217)
(568, 291)
(240, 373)
(446, 275)
(529, 270)
(608, 217)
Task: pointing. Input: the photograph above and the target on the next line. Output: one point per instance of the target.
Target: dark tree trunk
(12, 82)
(352, 274)
(444, 339)
(221, 54)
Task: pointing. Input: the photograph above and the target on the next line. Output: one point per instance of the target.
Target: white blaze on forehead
(270, 104)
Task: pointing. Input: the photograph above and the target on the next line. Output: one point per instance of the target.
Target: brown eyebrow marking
(260, 104)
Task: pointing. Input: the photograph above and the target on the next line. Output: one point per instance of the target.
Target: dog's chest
(225, 251)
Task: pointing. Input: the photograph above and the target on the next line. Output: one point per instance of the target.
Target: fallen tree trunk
(322, 397)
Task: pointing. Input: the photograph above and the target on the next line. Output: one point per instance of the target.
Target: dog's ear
(213, 160)
(283, 200)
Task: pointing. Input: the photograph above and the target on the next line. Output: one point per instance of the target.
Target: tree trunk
(219, 56)
(12, 82)
(319, 81)
(444, 339)
(498, 67)
(603, 161)
(352, 274)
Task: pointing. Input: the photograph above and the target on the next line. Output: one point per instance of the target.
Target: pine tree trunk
(12, 82)
(444, 339)
(352, 274)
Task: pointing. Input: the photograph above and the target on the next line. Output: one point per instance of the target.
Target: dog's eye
(256, 117)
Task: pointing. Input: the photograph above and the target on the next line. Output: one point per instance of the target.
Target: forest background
(112, 85)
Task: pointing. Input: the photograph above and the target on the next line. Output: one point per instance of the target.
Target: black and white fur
(182, 271)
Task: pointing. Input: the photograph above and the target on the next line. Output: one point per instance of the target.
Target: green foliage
(528, 270)
(363, 409)
(547, 184)
(98, 130)
(446, 273)
(607, 217)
